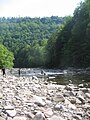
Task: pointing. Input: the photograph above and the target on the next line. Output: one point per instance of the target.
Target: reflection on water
(72, 79)
(58, 76)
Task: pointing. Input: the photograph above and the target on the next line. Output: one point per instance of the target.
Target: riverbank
(24, 98)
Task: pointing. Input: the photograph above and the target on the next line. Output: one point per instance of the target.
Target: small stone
(1, 96)
(72, 100)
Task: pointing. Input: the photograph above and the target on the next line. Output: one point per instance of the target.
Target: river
(58, 76)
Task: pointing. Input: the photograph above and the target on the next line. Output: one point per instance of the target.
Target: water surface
(58, 76)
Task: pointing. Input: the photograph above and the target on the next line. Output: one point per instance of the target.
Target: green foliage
(72, 45)
(18, 33)
(32, 56)
(6, 57)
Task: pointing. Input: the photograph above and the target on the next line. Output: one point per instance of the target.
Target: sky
(37, 8)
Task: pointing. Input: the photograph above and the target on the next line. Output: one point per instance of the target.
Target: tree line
(51, 41)
(27, 37)
(71, 46)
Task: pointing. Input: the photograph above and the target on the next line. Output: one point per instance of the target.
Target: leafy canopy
(71, 46)
(6, 57)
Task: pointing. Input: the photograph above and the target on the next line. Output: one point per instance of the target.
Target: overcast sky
(37, 8)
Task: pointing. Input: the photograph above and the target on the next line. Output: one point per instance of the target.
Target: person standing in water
(19, 72)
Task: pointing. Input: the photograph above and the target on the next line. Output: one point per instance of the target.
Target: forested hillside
(71, 46)
(27, 37)
(51, 41)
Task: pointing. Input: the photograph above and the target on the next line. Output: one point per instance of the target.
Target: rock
(58, 98)
(68, 94)
(9, 107)
(77, 117)
(72, 106)
(29, 115)
(39, 116)
(19, 118)
(86, 106)
(79, 113)
(34, 77)
(11, 113)
(48, 112)
(78, 101)
(26, 99)
(85, 90)
(48, 102)
(60, 107)
(87, 95)
(88, 113)
(69, 104)
(81, 85)
(54, 117)
(1, 96)
(38, 100)
(72, 100)
(9, 118)
(68, 88)
(81, 98)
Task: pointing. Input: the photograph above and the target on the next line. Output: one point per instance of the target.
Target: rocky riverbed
(24, 98)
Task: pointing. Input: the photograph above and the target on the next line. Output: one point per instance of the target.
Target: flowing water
(58, 76)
